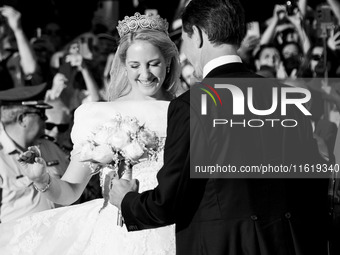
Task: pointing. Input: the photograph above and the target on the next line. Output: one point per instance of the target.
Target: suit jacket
(234, 216)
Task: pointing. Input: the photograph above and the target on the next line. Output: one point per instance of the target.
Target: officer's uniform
(18, 197)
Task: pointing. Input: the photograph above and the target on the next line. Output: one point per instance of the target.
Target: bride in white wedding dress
(143, 80)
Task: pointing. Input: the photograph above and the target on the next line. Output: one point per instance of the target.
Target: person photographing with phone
(74, 83)
(18, 65)
(286, 26)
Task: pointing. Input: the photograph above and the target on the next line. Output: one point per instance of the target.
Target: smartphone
(325, 20)
(253, 29)
(324, 14)
(291, 7)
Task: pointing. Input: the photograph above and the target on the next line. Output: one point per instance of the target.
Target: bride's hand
(34, 166)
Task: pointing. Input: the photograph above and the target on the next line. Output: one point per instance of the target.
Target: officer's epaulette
(66, 150)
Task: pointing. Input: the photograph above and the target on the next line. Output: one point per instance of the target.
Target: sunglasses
(42, 115)
(61, 127)
(316, 57)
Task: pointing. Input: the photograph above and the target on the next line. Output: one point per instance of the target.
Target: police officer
(22, 125)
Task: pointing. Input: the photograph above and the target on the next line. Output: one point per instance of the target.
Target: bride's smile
(148, 83)
(146, 69)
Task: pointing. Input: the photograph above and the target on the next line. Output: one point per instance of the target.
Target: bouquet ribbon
(109, 173)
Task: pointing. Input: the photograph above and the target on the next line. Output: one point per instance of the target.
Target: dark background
(75, 15)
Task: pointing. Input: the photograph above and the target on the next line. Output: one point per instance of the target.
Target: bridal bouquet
(120, 140)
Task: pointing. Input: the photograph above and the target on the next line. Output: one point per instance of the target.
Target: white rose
(130, 125)
(103, 154)
(118, 139)
(102, 135)
(112, 124)
(133, 151)
(148, 138)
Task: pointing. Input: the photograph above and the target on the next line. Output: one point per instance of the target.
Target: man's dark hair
(222, 20)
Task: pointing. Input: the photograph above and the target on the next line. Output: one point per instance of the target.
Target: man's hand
(279, 12)
(58, 85)
(249, 43)
(76, 60)
(120, 188)
(296, 19)
(333, 41)
(34, 166)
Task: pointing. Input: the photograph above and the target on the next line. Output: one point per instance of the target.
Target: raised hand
(282, 74)
(249, 43)
(331, 94)
(333, 41)
(279, 12)
(296, 19)
(58, 85)
(13, 17)
(76, 60)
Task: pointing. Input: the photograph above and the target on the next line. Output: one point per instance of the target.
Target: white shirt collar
(216, 62)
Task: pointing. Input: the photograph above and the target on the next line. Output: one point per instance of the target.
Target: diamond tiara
(138, 21)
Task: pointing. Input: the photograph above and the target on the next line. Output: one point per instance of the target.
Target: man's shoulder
(184, 98)
(180, 105)
(48, 142)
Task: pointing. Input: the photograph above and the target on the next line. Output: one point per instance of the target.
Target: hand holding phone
(253, 29)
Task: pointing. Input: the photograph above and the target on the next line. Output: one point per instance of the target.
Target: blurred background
(75, 16)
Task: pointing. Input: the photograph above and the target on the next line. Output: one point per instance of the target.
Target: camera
(291, 7)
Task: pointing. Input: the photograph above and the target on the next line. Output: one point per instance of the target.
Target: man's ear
(21, 120)
(197, 36)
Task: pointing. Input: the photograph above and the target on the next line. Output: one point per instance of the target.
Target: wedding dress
(81, 229)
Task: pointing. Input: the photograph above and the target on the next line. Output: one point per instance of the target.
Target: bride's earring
(168, 69)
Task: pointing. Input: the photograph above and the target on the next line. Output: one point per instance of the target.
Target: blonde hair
(119, 85)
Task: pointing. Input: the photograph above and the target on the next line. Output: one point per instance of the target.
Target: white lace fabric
(81, 229)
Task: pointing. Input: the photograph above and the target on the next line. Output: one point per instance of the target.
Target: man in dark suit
(226, 215)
